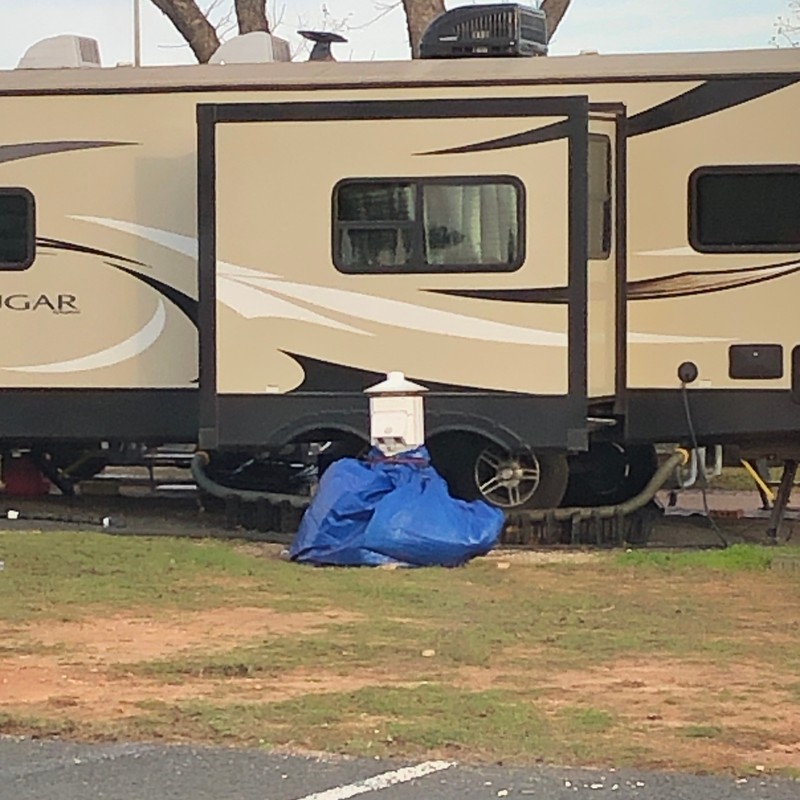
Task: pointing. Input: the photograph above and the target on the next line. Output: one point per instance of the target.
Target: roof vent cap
(321, 51)
(497, 29)
(60, 52)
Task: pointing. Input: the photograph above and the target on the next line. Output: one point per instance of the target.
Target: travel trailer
(230, 254)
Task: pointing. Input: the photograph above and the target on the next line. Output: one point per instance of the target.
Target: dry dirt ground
(81, 670)
(74, 669)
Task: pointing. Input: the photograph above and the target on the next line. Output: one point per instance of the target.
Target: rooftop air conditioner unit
(61, 51)
(505, 29)
(256, 47)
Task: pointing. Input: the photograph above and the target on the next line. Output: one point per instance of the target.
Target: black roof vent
(505, 29)
(322, 44)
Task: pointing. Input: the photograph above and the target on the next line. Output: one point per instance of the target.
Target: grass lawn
(649, 659)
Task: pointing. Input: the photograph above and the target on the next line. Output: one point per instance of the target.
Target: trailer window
(428, 225)
(17, 229)
(599, 223)
(745, 209)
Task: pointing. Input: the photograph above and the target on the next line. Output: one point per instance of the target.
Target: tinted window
(17, 235)
(750, 209)
(430, 225)
(376, 202)
(599, 222)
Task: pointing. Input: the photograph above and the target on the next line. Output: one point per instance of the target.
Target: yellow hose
(760, 481)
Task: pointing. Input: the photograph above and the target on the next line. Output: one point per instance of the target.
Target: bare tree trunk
(192, 24)
(420, 14)
(252, 15)
(554, 11)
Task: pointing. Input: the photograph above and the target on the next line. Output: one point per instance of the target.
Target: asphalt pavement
(55, 770)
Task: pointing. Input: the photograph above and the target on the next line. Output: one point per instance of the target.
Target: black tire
(609, 473)
(345, 447)
(455, 457)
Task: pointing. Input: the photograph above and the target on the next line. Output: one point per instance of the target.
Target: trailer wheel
(478, 469)
(609, 473)
(346, 446)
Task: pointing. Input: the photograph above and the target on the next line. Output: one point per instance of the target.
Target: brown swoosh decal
(186, 304)
(681, 284)
(708, 98)
(547, 133)
(57, 244)
(15, 152)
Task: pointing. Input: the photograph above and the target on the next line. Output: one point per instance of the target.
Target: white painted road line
(382, 781)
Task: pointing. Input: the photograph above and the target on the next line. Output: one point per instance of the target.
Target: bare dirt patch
(510, 555)
(121, 638)
(76, 676)
(51, 688)
(736, 714)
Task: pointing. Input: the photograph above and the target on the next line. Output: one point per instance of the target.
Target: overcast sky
(604, 25)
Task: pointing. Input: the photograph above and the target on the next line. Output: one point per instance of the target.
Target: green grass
(36, 727)
(468, 616)
(339, 650)
(27, 648)
(794, 691)
(491, 725)
(474, 625)
(510, 630)
(738, 479)
(49, 574)
(737, 557)
(586, 720)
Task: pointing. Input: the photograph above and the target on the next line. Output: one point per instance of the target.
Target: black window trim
(19, 266)
(608, 216)
(417, 267)
(733, 169)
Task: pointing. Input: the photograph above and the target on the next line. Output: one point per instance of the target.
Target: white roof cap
(251, 48)
(58, 52)
(396, 383)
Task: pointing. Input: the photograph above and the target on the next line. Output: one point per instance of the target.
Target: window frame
(19, 266)
(608, 203)
(732, 169)
(417, 266)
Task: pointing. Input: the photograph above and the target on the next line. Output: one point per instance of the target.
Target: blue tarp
(392, 511)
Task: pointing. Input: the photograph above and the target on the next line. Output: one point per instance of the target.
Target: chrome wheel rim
(506, 480)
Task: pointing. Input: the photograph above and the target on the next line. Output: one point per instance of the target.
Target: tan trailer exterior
(111, 158)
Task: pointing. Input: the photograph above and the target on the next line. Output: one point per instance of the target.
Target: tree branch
(554, 11)
(420, 14)
(787, 29)
(192, 24)
(252, 15)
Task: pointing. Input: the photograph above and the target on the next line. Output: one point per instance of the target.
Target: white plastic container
(397, 414)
